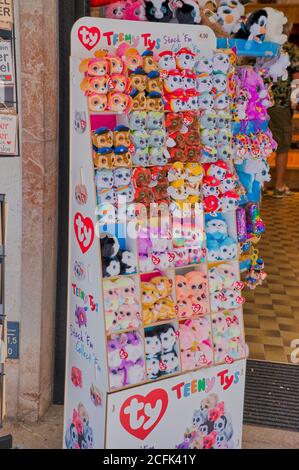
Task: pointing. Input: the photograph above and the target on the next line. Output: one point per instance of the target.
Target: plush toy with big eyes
(219, 82)
(206, 102)
(137, 120)
(209, 137)
(134, 10)
(154, 82)
(229, 201)
(204, 83)
(97, 103)
(173, 83)
(158, 10)
(102, 138)
(255, 27)
(122, 177)
(95, 67)
(203, 65)
(130, 56)
(221, 62)
(138, 79)
(154, 102)
(208, 120)
(95, 85)
(222, 101)
(119, 102)
(122, 136)
(119, 83)
(167, 60)
(122, 157)
(188, 12)
(116, 11)
(149, 62)
(106, 196)
(155, 120)
(103, 158)
(116, 65)
(185, 58)
(140, 139)
(104, 179)
(153, 344)
(141, 157)
(156, 138)
(170, 363)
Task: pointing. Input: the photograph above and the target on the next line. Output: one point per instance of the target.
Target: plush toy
(185, 59)
(138, 79)
(254, 27)
(116, 10)
(208, 120)
(169, 362)
(188, 12)
(141, 157)
(229, 14)
(155, 120)
(158, 10)
(135, 10)
(204, 83)
(206, 102)
(203, 65)
(219, 82)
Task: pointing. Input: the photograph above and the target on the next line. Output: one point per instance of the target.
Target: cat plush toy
(187, 12)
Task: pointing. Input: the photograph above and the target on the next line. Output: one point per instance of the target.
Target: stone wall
(31, 185)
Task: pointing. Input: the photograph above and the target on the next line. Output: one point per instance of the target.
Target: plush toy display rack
(142, 413)
(2, 308)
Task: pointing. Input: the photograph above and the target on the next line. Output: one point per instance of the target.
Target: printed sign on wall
(6, 14)
(6, 63)
(8, 133)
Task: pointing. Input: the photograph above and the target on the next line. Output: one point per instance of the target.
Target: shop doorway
(69, 12)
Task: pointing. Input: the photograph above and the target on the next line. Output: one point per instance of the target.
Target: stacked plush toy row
(224, 288)
(220, 245)
(148, 136)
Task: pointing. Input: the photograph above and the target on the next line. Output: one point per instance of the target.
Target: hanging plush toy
(187, 11)
(230, 13)
(275, 24)
(254, 27)
(158, 10)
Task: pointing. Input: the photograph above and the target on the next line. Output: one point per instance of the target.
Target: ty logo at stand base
(84, 230)
(139, 415)
(89, 37)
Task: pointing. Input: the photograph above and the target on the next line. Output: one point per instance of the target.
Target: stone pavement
(47, 434)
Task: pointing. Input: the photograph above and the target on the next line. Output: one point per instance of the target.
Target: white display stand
(155, 414)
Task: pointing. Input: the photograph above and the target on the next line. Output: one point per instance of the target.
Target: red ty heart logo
(89, 37)
(229, 360)
(123, 354)
(155, 260)
(139, 415)
(196, 308)
(171, 257)
(84, 231)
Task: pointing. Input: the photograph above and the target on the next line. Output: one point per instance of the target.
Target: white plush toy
(229, 14)
(274, 68)
(275, 24)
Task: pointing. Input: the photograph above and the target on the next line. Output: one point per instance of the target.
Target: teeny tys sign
(197, 410)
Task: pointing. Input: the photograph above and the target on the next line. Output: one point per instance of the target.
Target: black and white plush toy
(254, 28)
(111, 267)
(188, 12)
(158, 11)
(128, 262)
(109, 245)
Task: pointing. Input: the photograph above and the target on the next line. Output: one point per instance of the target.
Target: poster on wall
(6, 63)
(6, 14)
(199, 410)
(8, 134)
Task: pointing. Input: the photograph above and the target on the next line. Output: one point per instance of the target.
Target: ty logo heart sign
(89, 37)
(139, 415)
(84, 230)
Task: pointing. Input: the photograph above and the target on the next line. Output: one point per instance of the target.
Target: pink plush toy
(205, 355)
(187, 337)
(182, 288)
(189, 360)
(134, 10)
(220, 348)
(116, 10)
(219, 324)
(184, 307)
